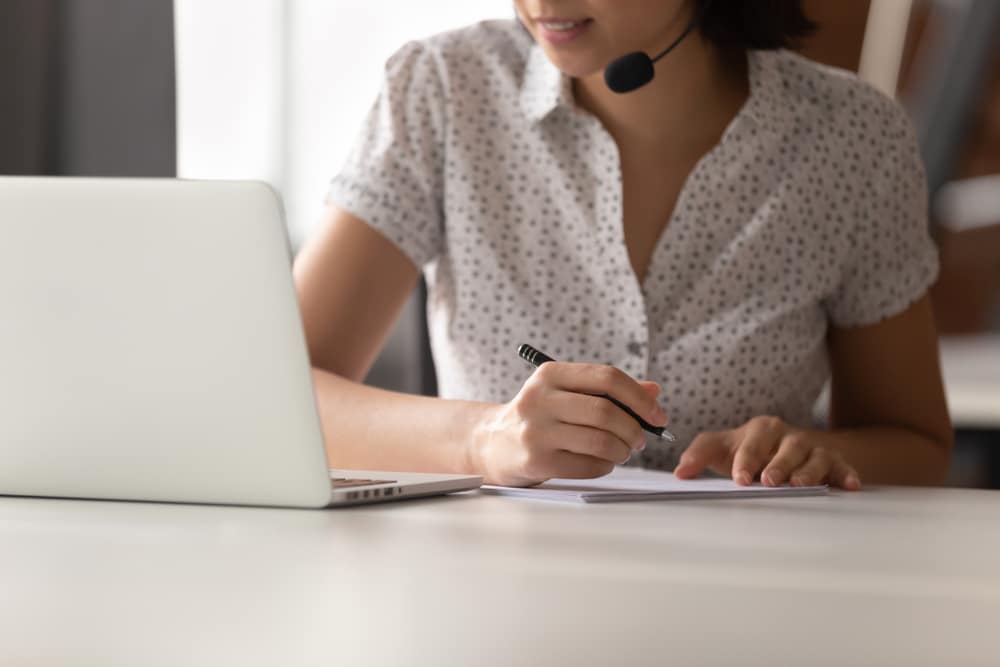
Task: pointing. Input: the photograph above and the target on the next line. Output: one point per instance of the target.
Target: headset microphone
(634, 70)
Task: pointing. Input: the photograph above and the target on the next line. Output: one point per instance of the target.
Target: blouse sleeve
(890, 259)
(392, 178)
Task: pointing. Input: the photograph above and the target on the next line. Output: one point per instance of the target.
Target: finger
(654, 390)
(593, 442)
(815, 470)
(757, 441)
(597, 413)
(844, 475)
(600, 379)
(651, 388)
(707, 449)
(792, 453)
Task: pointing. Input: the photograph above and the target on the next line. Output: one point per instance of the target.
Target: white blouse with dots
(810, 211)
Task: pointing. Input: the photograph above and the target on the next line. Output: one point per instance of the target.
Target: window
(277, 89)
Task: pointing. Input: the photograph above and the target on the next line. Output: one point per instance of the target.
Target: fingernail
(769, 479)
(852, 482)
(659, 415)
(743, 478)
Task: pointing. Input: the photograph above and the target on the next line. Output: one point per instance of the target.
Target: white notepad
(638, 484)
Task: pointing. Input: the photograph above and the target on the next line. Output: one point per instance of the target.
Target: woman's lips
(560, 30)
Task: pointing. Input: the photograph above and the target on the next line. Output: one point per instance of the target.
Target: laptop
(151, 349)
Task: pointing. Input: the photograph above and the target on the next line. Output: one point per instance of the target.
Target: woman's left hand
(767, 445)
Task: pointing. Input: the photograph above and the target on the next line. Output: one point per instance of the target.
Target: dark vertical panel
(27, 39)
(87, 87)
(117, 107)
(428, 374)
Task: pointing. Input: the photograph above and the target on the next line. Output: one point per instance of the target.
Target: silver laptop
(151, 349)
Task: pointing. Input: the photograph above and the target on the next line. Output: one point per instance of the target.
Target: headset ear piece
(629, 72)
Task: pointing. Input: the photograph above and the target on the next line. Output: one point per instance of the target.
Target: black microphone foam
(629, 72)
(634, 70)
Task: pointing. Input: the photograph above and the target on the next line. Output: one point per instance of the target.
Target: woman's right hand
(559, 426)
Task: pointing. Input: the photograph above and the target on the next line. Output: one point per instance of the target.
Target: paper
(637, 484)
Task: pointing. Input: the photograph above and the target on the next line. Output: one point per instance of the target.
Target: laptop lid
(151, 346)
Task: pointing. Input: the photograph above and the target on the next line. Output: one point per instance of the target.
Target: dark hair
(753, 24)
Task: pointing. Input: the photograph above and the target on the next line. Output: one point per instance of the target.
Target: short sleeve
(890, 260)
(392, 178)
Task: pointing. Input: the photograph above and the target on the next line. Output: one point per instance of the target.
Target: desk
(891, 576)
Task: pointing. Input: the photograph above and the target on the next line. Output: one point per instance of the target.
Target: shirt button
(634, 348)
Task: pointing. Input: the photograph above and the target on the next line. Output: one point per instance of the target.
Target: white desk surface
(890, 576)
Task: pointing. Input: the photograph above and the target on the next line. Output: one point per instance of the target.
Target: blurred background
(276, 90)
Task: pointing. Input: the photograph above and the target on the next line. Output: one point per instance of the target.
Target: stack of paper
(637, 484)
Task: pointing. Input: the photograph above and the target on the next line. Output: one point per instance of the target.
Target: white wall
(277, 89)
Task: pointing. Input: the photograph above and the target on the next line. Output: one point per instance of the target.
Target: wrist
(480, 434)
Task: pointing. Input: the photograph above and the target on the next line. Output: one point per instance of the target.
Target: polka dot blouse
(810, 212)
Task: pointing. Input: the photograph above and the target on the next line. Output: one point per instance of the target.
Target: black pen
(537, 358)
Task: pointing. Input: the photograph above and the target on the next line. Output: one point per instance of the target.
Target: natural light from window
(277, 89)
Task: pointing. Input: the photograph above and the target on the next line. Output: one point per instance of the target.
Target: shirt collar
(544, 87)
(769, 105)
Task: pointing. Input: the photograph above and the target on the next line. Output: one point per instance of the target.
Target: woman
(721, 240)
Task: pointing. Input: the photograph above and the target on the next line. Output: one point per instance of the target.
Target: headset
(634, 70)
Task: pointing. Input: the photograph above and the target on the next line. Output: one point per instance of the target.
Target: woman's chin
(573, 65)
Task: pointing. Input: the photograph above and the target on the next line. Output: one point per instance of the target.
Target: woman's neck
(696, 92)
